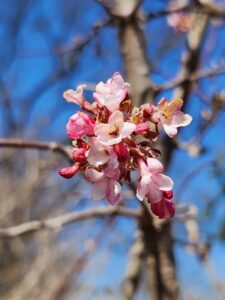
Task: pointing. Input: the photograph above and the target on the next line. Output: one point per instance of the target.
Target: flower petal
(127, 129)
(143, 187)
(154, 166)
(175, 105)
(93, 175)
(75, 96)
(116, 118)
(143, 168)
(163, 182)
(97, 158)
(99, 190)
(163, 209)
(170, 130)
(154, 194)
(180, 119)
(101, 129)
(113, 191)
(97, 154)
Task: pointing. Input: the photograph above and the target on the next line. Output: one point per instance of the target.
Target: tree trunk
(159, 258)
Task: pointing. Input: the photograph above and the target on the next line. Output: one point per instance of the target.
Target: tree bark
(159, 258)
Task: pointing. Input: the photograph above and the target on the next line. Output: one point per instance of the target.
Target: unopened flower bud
(69, 172)
(80, 124)
(163, 209)
(121, 152)
(142, 128)
(79, 156)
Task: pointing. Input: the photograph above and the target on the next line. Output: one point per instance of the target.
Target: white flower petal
(127, 129)
(163, 182)
(170, 130)
(99, 190)
(143, 187)
(93, 175)
(116, 118)
(180, 119)
(113, 191)
(154, 194)
(154, 165)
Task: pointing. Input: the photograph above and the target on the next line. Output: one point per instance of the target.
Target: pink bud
(82, 144)
(79, 156)
(163, 209)
(80, 124)
(142, 128)
(121, 152)
(69, 172)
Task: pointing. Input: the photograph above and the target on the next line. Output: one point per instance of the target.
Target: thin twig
(194, 77)
(39, 145)
(58, 222)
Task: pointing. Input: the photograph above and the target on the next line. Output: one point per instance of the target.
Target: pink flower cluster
(111, 139)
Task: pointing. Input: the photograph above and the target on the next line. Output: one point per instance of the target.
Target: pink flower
(105, 183)
(97, 154)
(76, 96)
(163, 209)
(153, 182)
(115, 130)
(80, 124)
(171, 117)
(111, 93)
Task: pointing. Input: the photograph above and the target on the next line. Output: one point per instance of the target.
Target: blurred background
(49, 46)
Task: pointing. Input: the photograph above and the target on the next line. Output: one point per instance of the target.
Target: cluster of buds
(111, 139)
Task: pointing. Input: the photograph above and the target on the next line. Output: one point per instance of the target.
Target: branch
(180, 80)
(39, 145)
(58, 222)
(132, 40)
(135, 259)
(206, 8)
(189, 65)
(77, 44)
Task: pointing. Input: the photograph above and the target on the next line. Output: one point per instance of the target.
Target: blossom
(76, 96)
(97, 154)
(80, 124)
(171, 117)
(111, 139)
(105, 183)
(152, 182)
(111, 93)
(115, 130)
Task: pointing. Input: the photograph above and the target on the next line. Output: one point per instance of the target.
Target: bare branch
(193, 77)
(58, 222)
(206, 8)
(131, 278)
(39, 145)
